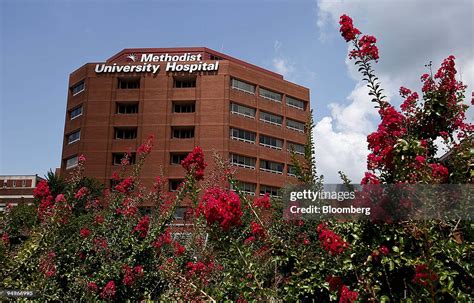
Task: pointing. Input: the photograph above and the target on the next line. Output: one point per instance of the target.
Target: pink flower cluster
(367, 49)
(330, 241)
(263, 202)
(383, 140)
(424, 275)
(46, 204)
(222, 207)
(194, 163)
(348, 31)
(347, 296)
(145, 148)
(131, 274)
(83, 191)
(201, 270)
(125, 186)
(108, 292)
(142, 227)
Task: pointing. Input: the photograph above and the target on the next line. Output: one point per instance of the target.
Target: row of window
(266, 93)
(250, 188)
(265, 165)
(266, 117)
(134, 83)
(264, 140)
(132, 108)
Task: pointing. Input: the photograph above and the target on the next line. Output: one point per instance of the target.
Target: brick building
(185, 97)
(17, 189)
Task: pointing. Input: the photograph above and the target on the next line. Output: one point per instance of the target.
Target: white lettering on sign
(171, 66)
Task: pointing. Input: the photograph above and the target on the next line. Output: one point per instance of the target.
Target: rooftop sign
(147, 64)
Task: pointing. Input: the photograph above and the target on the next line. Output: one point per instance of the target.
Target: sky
(42, 42)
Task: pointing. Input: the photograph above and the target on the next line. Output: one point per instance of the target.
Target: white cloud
(281, 64)
(410, 34)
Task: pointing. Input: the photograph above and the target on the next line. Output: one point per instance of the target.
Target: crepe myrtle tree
(239, 247)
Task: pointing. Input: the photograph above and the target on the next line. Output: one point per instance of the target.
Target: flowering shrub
(93, 245)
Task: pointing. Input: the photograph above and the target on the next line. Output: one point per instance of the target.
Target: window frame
(73, 165)
(261, 136)
(232, 111)
(271, 170)
(294, 128)
(270, 92)
(74, 109)
(270, 114)
(242, 139)
(241, 89)
(295, 106)
(83, 83)
(240, 164)
(69, 142)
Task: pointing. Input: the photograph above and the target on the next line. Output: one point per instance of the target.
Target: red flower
(81, 159)
(263, 202)
(424, 275)
(384, 250)
(92, 286)
(99, 219)
(194, 163)
(370, 179)
(85, 232)
(347, 296)
(348, 31)
(257, 230)
(108, 292)
(138, 270)
(330, 241)
(142, 226)
(163, 239)
(420, 159)
(178, 249)
(125, 186)
(222, 207)
(145, 148)
(439, 171)
(81, 192)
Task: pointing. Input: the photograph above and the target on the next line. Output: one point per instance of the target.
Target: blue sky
(42, 42)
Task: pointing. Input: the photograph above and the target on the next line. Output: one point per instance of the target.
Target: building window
(242, 135)
(74, 136)
(126, 133)
(292, 102)
(174, 184)
(272, 167)
(243, 86)
(75, 112)
(177, 158)
(184, 107)
(23, 183)
(295, 125)
(271, 118)
(71, 162)
(271, 190)
(14, 183)
(268, 94)
(291, 171)
(242, 110)
(182, 132)
(127, 108)
(298, 148)
(180, 213)
(184, 82)
(128, 83)
(246, 188)
(78, 88)
(242, 161)
(118, 157)
(214, 57)
(271, 142)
